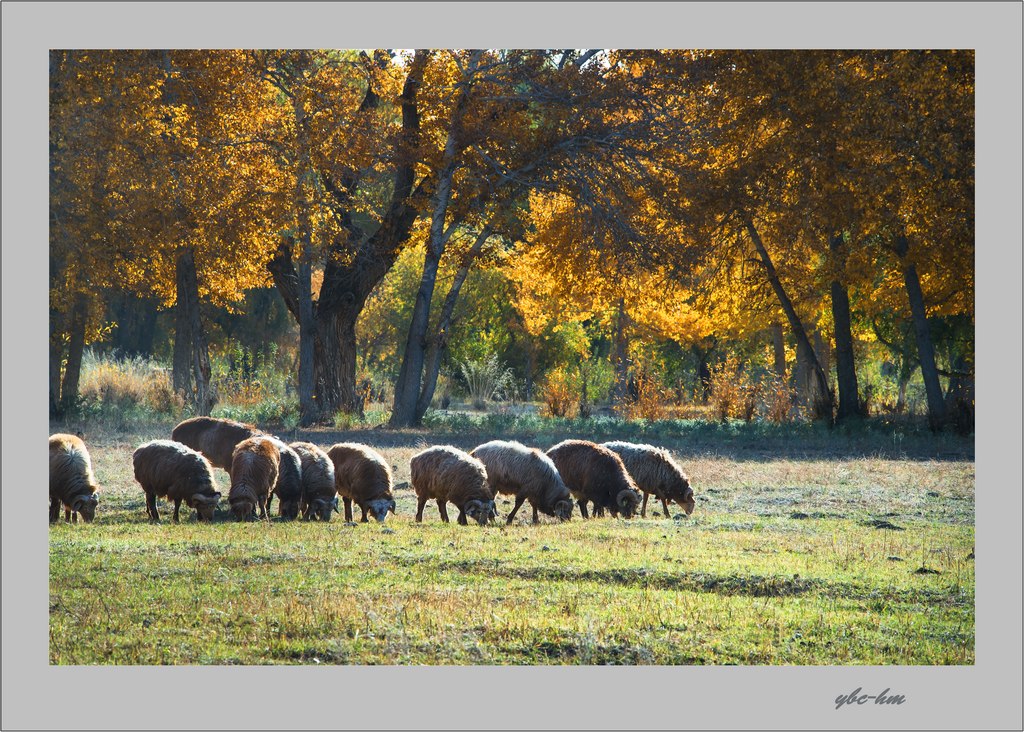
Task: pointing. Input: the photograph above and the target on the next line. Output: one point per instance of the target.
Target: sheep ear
(624, 498)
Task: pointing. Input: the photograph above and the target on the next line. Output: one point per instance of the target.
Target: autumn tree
(363, 152)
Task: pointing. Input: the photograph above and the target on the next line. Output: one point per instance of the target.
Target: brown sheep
(72, 482)
(448, 474)
(288, 487)
(657, 474)
(254, 470)
(319, 494)
(528, 474)
(178, 473)
(362, 475)
(215, 438)
(596, 474)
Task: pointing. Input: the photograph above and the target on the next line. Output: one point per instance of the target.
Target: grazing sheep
(655, 473)
(361, 474)
(254, 469)
(178, 473)
(215, 438)
(596, 474)
(449, 474)
(72, 482)
(528, 474)
(319, 494)
(289, 481)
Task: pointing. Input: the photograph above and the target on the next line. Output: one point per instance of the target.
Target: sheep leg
(442, 509)
(643, 506)
(54, 509)
(536, 517)
(583, 508)
(151, 507)
(420, 503)
(665, 504)
(462, 518)
(519, 502)
(177, 507)
(348, 508)
(270, 500)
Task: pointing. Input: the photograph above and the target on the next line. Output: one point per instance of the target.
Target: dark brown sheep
(362, 475)
(445, 474)
(72, 482)
(254, 470)
(595, 474)
(528, 474)
(177, 472)
(215, 438)
(655, 473)
(319, 494)
(288, 487)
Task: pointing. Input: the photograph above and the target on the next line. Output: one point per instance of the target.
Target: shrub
(486, 380)
(650, 400)
(559, 393)
(779, 400)
(109, 383)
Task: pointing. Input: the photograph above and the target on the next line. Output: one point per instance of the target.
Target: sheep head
(380, 507)
(289, 509)
(86, 505)
(320, 509)
(627, 500)
(205, 504)
(479, 511)
(563, 510)
(688, 503)
(243, 509)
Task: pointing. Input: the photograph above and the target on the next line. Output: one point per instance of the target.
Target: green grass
(782, 563)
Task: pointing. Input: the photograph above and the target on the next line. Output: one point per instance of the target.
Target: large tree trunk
(846, 370)
(925, 349)
(335, 362)
(822, 401)
(191, 354)
(960, 397)
(76, 349)
(356, 262)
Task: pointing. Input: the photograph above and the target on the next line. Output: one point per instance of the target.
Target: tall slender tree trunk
(846, 370)
(76, 349)
(925, 348)
(407, 389)
(779, 349)
(309, 412)
(822, 397)
(703, 373)
(620, 355)
(439, 343)
(405, 409)
(56, 357)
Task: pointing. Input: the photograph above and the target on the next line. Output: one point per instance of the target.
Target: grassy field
(848, 550)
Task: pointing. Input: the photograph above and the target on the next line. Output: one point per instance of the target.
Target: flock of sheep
(308, 480)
